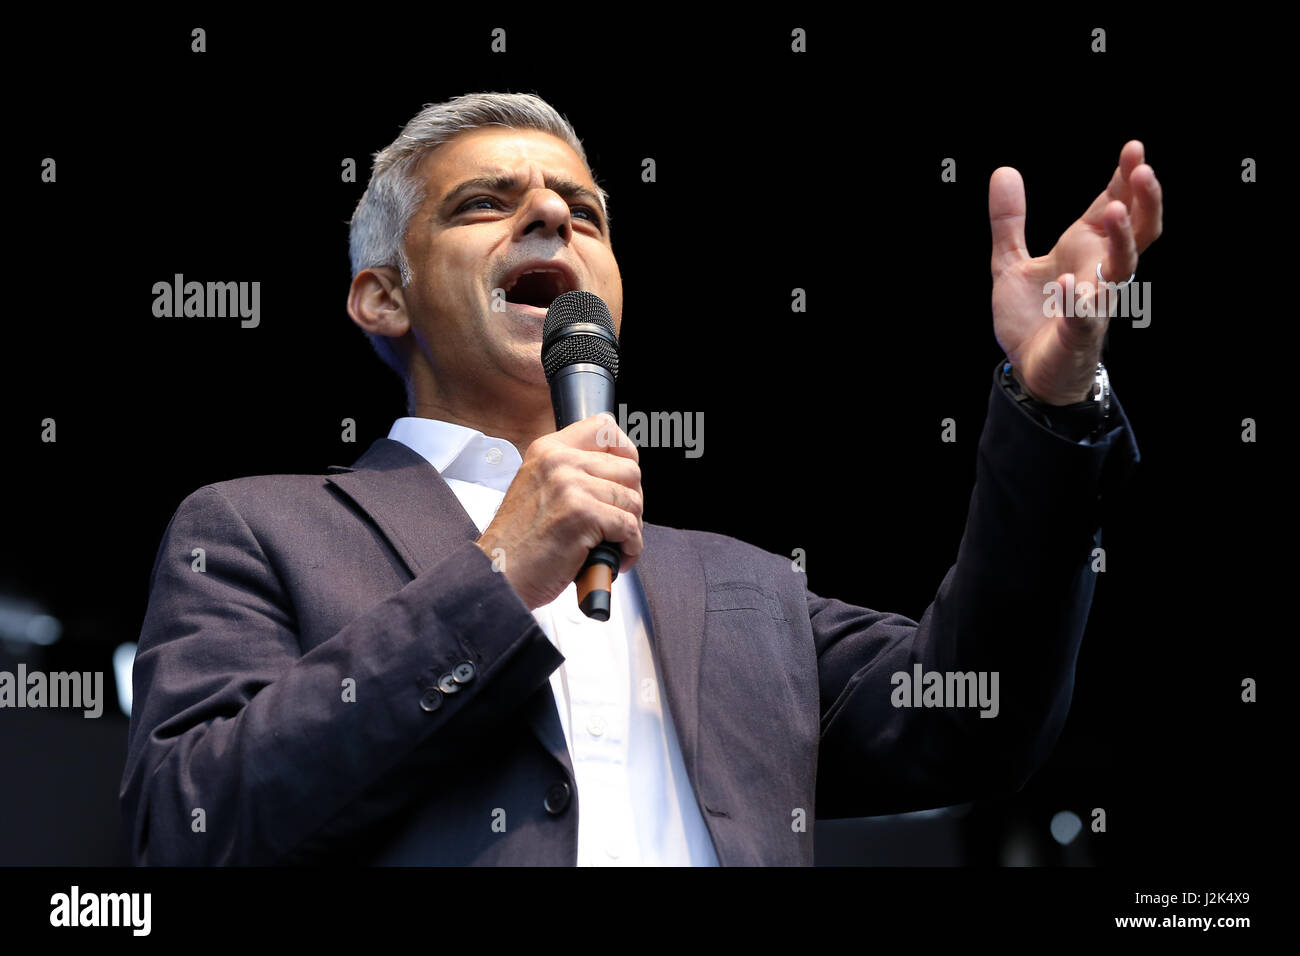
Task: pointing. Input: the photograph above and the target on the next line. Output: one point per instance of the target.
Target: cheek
(448, 284)
(612, 284)
(617, 305)
(463, 275)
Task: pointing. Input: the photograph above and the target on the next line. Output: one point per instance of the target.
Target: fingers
(627, 500)
(1147, 206)
(1082, 320)
(1007, 218)
(606, 467)
(615, 485)
(598, 433)
(1130, 157)
(1075, 321)
(1122, 252)
(622, 493)
(617, 527)
(566, 463)
(606, 475)
(1135, 185)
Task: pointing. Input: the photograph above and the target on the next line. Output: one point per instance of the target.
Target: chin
(525, 364)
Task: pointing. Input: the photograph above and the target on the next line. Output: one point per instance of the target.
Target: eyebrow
(508, 182)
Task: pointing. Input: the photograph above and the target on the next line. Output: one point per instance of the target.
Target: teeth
(529, 272)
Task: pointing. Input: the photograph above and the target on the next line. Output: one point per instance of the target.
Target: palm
(1055, 355)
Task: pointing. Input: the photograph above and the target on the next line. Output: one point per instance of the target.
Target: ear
(376, 302)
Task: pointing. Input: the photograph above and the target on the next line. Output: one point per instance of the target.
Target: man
(386, 664)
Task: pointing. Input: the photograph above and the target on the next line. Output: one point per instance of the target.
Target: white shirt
(636, 806)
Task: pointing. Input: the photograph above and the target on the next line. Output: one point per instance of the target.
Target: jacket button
(463, 672)
(447, 684)
(557, 798)
(431, 699)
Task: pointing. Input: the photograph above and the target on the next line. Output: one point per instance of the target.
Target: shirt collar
(460, 453)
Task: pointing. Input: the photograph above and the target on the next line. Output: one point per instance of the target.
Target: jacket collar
(404, 495)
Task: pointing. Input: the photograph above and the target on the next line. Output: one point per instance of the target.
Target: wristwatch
(1086, 419)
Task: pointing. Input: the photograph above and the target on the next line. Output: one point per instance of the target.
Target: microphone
(580, 358)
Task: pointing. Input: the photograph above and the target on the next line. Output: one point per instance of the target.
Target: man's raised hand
(1055, 356)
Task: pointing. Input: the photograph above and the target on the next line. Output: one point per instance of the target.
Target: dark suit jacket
(781, 698)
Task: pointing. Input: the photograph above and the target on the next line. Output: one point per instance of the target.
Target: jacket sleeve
(244, 750)
(1015, 603)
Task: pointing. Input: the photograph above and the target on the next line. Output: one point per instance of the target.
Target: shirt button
(596, 726)
(613, 850)
(493, 456)
(557, 798)
(431, 699)
(447, 684)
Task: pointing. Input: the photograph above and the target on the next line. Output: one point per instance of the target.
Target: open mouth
(538, 286)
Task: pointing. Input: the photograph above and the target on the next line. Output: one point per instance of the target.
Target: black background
(775, 171)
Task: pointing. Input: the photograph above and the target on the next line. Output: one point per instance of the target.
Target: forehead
(495, 150)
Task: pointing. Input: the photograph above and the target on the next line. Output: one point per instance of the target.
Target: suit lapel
(417, 512)
(423, 520)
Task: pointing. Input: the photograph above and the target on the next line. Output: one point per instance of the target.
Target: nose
(545, 213)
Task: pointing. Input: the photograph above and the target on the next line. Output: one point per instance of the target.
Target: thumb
(1007, 218)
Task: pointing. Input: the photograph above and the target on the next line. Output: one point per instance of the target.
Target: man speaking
(387, 664)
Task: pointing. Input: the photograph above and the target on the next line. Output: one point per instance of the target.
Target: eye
(585, 211)
(591, 215)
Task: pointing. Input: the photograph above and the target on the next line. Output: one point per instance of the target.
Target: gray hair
(379, 223)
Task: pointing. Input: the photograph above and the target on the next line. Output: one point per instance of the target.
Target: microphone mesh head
(561, 347)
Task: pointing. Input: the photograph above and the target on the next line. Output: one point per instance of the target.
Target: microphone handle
(579, 391)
